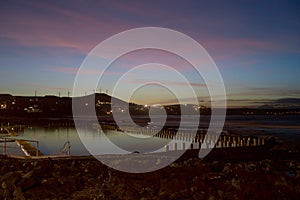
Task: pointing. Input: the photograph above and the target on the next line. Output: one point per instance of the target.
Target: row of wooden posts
(245, 142)
(196, 139)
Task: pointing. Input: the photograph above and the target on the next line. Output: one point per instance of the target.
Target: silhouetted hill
(61, 107)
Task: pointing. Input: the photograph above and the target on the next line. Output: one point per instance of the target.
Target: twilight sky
(255, 44)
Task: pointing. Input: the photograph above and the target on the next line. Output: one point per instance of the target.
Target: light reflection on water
(51, 140)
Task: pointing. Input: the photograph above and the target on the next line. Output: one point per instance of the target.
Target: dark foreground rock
(224, 174)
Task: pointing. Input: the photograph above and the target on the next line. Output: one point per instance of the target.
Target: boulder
(9, 180)
(29, 180)
(18, 194)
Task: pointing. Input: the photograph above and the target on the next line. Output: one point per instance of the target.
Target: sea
(86, 140)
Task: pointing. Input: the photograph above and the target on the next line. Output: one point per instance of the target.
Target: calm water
(52, 139)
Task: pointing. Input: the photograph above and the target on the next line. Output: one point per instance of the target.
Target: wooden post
(234, 143)
(254, 142)
(228, 144)
(248, 141)
(221, 143)
(69, 149)
(167, 148)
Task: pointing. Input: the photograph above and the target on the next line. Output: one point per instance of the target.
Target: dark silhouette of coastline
(54, 106)
(49, 109)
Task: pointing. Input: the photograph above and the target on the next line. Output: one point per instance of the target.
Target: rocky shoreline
(271, 172)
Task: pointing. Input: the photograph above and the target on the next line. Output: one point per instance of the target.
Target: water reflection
(52, 139)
